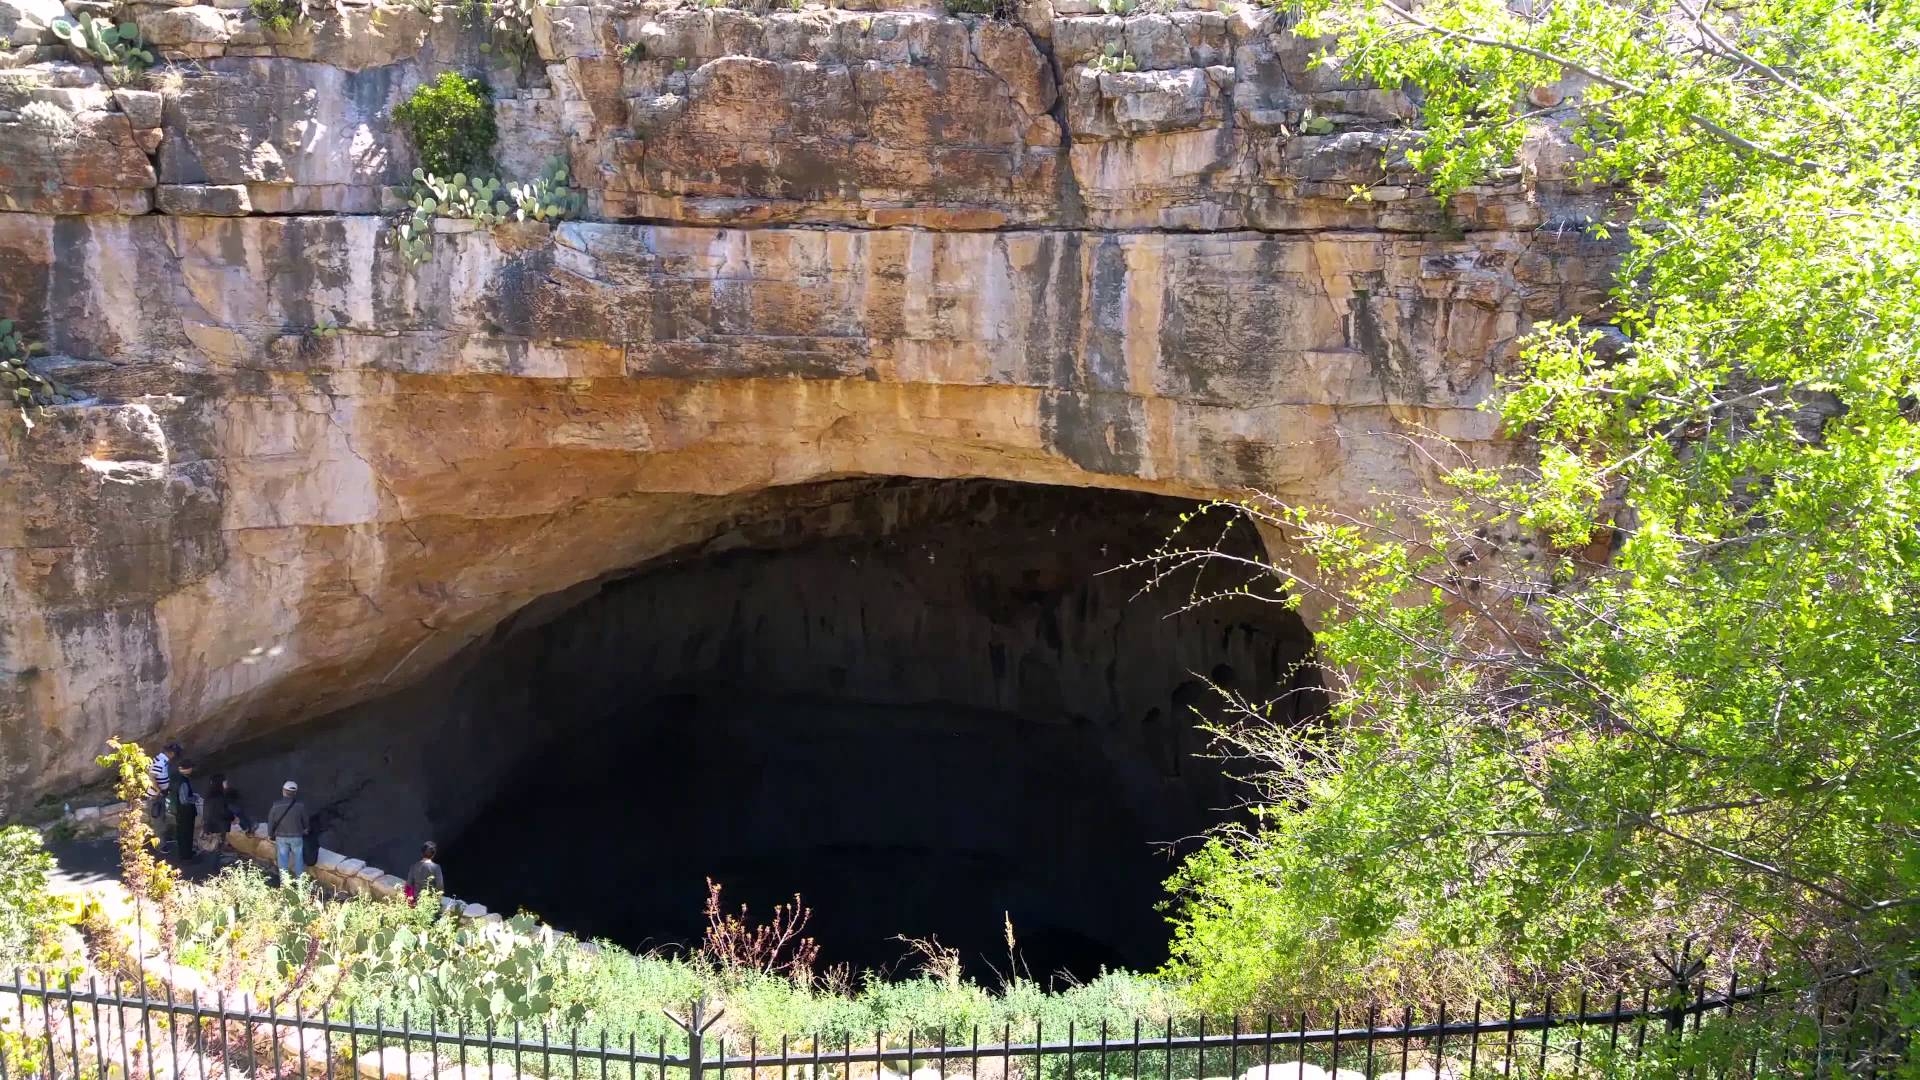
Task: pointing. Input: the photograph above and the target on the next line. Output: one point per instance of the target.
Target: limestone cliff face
(817, 243)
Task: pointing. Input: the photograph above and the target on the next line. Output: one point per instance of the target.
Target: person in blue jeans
(287, 828)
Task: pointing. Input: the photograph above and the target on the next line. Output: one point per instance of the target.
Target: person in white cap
(287, 827)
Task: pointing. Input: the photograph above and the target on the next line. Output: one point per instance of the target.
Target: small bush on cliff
(992, 9)
(280, 16)
(450, 121)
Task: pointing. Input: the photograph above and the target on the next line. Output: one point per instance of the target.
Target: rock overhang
(817, 244)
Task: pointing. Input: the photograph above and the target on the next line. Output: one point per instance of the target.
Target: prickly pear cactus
(20, 385)
(99, 39)
(477, 199)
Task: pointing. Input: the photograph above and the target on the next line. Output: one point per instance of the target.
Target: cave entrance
(930, 707)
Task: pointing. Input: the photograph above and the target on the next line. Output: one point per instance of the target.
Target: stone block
(387, 885)
(474, 911)
(193, 31)
(91, 165)
(143, 107)
(1148, 102)
(204, 200)
(252, 121)
(87, 814)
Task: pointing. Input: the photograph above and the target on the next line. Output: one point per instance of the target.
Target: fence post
(695, 1025)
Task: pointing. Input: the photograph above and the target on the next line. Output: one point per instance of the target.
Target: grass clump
(450, 122)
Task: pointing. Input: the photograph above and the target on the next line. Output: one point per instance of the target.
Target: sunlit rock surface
(1073, 249)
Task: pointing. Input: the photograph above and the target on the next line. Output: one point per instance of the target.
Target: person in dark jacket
(185, 804)
(223, 813)
(287, 827)
(318, 821)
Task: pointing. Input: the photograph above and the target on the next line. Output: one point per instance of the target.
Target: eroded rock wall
(1069, 248)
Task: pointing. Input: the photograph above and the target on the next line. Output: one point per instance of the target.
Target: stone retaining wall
(335, 871)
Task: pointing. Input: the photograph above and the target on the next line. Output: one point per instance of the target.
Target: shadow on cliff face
(929, 707)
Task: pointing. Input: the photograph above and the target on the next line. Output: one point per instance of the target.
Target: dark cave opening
(932, 708)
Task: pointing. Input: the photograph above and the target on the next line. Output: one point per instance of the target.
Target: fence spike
(1473, 1041)
(99, 1040)
(1299, 1048)
(1506, 1062)
(1544, 1029)
(1579, 1031)
(226, 1062)
(1406, 1037)
(1373, 1015)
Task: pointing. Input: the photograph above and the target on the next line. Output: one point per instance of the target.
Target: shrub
(279, 16)
(29, 915)
(450, 121)
(384, 956)
(992, 9)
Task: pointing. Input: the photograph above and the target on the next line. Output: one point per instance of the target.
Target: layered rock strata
(1161, 252)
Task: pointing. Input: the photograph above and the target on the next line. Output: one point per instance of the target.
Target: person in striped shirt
(160, 773)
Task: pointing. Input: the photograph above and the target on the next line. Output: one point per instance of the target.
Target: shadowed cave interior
(929, 707)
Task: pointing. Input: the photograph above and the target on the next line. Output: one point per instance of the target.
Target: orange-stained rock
(825, 243)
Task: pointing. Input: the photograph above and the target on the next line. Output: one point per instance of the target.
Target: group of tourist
(185, 815)
(185, 819)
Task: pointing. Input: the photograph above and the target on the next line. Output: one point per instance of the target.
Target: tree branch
(1699, 121)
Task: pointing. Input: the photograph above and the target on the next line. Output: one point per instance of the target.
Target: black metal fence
(56, 1029)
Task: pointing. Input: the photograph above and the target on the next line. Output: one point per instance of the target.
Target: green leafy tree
(29, 914)
(450, 121)
(1694, 710)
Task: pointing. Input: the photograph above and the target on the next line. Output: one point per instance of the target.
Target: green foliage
(509, 22)
(280, 16)
(450, 122)
(1690, 710)
(633, 52)
(1114, 59)
(29, 915)
(24, 387)
(99, 39)
(285, 942)
(992, 9)
(144, 875)
(547, 198)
